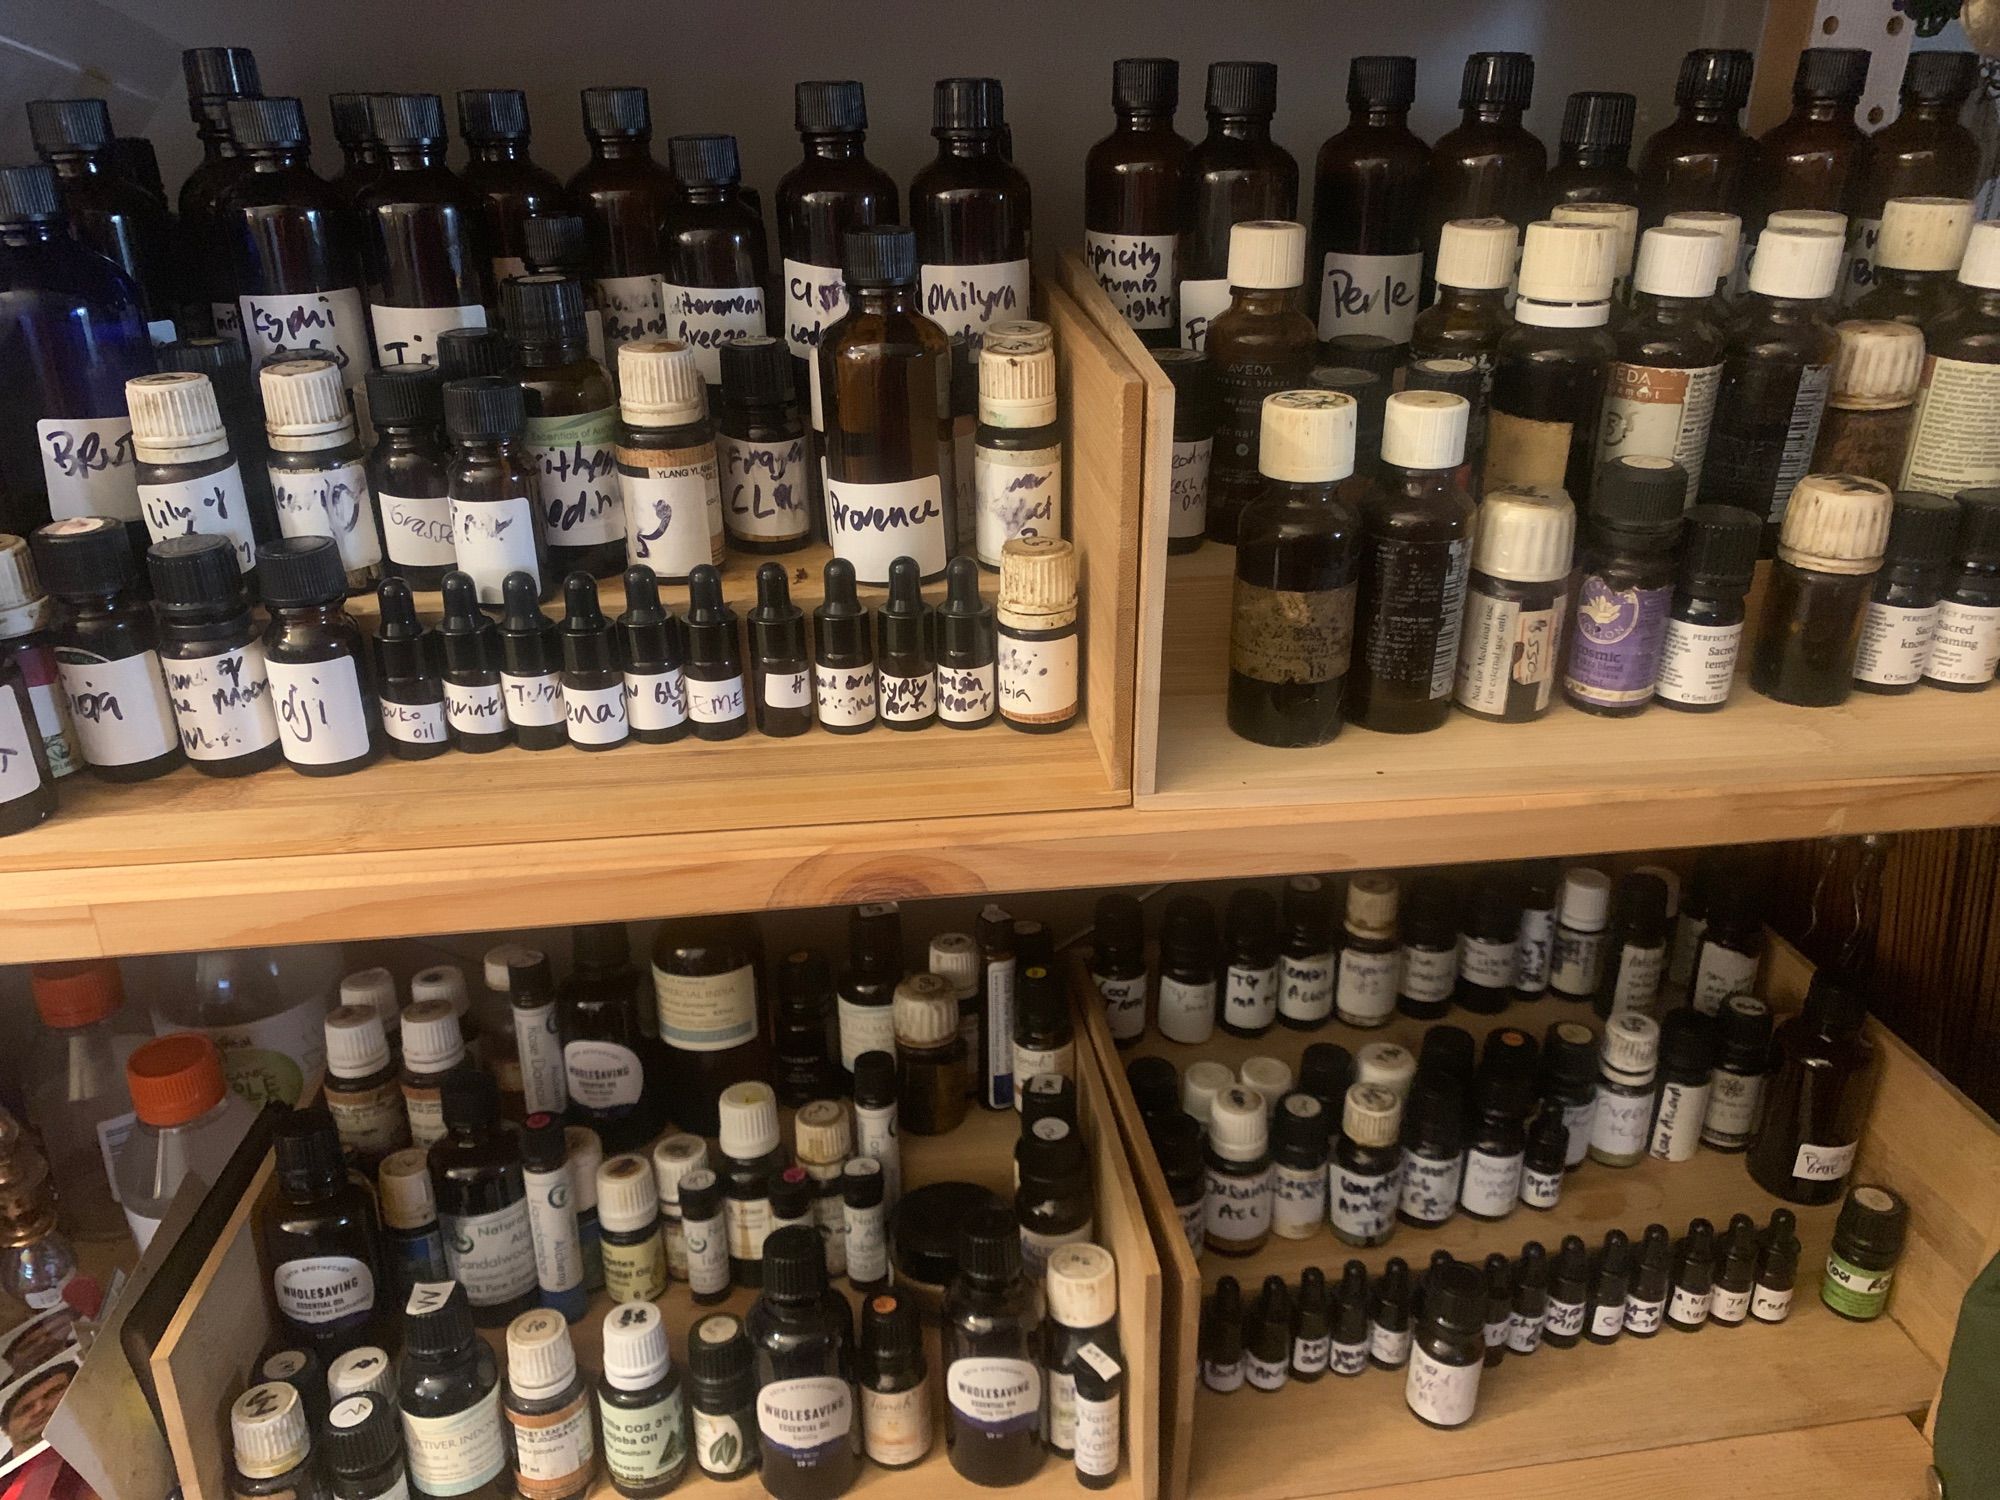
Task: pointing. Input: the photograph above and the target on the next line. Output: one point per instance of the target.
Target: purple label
(1615, 658)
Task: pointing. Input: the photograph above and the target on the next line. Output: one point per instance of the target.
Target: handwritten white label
(967, 695)
(1643, 1316)
(1367, 987)
(1444, 1395)
(715, 702)
(408, 335)
(1771, 1304)
(20, 773)
(1137, 274)
(89, 467)
(329, 323)
(222, 703)
(815, 297)
(632, 310)
(1688, 1308)
(764, 494)
(1532, 949)
(210, 506)
(787, 689)
(576, 477)
(1824, 1163)
(474, 708)
(322, 717)
(1372, 294)
(1305, 987)
(1239, 1205)
(1386, 1346)
(1619, 1127)
(906, 700)
(1363, 1204)
(1298, 1201)
(1038, 679)
(673, 505)
(492, 538)
(1187, 1011)
(227, 318)
(845, 695)
(119, 707)
(871, 525)
(1726, 1306)
(331, 502)
(596, 715)
(1249, 996)
(1541, 1189)
(418, 530)
(532, 702)
(1202, 302)
(1637, 984)
(1485, 964)
(1429, 975)
(1491, 1184)
(1720, 973)
(1187, 488)
(707, 317)
(1016, 494)
(655, 700)
(963, 300)
(1430, 1187)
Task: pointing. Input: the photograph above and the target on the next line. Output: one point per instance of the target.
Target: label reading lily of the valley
(963, 300)
(576, 477)
(89, 467)
(332, 324)
(222, 703)
(1137, 274)
(1015, 494)
(408, 335)
(995, 1396)
(706, 1012)
(491, 1255)
(324, 1289)
(764, 492)
(871, 525)
(210, 506)
(707, 317)
(1371, 294)
(602, 1075)
(673, 508)
(329, 502)
(806, 1420)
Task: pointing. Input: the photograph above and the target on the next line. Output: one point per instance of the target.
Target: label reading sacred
(1698, 662)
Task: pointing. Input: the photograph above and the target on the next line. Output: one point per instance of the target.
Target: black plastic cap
(803, 981)
(463, 353)
(1119, 922)
(1941, 77)
(829, 106)
(434, 1326)
(1502, 78)
(268, 124)
(1923, 529)
(484, 408)
(1383, 82)
(1594, 117)
(875, 938)
(1447, 1050)
(1569, 1054)
(989, 1245)
(1430, 911)
(1187, 933)
(543, 309)
(1874, 1220)
(1716, 77)
(83, 557)
(1146, 85)
(222, 360)
(1687, 1042)
(1050, 1152)
(1719, 548)
(875, 1079)
(1979, 526)
(64, 125)
(1242, 88)
(1177, 1140)
(601, 945)
(612, 112)
(28, 195)
(1638, 494)
(554, 242)
(220, 73)
(892, 1334)
(492, 115)
(884, 255)
(407, 119)
(1459, 377)
(860, 1184)
(967, 104)
(1326, 1071)
(705, 160)
(361, 1434)
(792, 1197)
(308, 1151)
(1193, 377)
(469, 1100)
(195, 572)
(1300, 1123)
(1252, 919)
(351, 125)
(756, 371)
(297, 572)
(701, 1195)
(1155, 1084)
(1837, 73)
(1455, 1297)
(1743, 1031)
(794, 1264)
(543, 1145)
(718, 1351)
(406, 396)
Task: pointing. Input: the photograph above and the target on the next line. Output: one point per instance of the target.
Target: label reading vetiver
(1652, 412)
(491, 1255)
(408, 335)
(1954, 442)
(706, 1012)
(1137, 274)
(209, 506)
(808, 1420)
(1016, 493)
(1698, 662)
(707, 317)
(1371, 294)
(1614, 659)
(1965, 650)
(644, 1444)
(222, 703)
(554, 1452)
(995, 1396)
(1187, 488)
(673, 508)
(456, 1454)
(764, 492)
(871, 525)
(964, 299)
(1895, 643)
(574, 462)
(1363, 1206)
(1202, 302)
(325, 1291)
(330, 502)
(119, 707)
(492, 538)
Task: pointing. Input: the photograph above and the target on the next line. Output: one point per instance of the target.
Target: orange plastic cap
(175, 1079)
(76, 994)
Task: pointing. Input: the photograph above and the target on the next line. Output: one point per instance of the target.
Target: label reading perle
(1137, 274)
(222, 703)
(1369, 294)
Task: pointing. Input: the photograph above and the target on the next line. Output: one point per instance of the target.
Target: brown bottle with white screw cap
(1263, 343)
(1017, 449)
(319, 474)
(1040, 645)
(666, 460)
(1876, 377)
(1917, 251)
(1621, 220)
(188, 478)
(1956, 444)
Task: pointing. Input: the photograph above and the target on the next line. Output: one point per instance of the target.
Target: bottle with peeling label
(992, 1356)
(570, 433)
(1233, 174)
(712, 288)
(1489, 165)
(1965, 650)
(1366, 263)
(1132, 199)
(760, 447)
(482, 1202)
(509, 184)
(1703, 158)
(972, 211)
(321, 1240)
(1817, 1096)
(808, 1431)
(213, 657)
(1259, 344)
(494, 526)
(551, 1440)
(319, 475)
(408, 471)
(1952, 447)
(623, 195)
(1625, 1090)
(1017, 459)
(1516, 599)
(322, 683)
(448, 1387)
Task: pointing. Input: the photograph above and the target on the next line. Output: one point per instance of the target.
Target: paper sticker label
(1371, 294)
(896, 1425)
(1137, 274)
(1440, 1393)
(1734, 1101)
(322, 716)
(1620, 1124)
(815, 298)
(707, 317)
(491, 1255)
(324, 1290)
(1677, 1121)
(870, 525)
(1430, 975)
(1491, 1184)
(332, 324)
(968, 695)
(1532, 949)
(718, 1443)
(1298, 1201)
(1486, 964)
(1726, 1306)
(602, 1075)
(963, 300)
(1720, 973)
(1187, 1011)
(1239, 1207)
(210, 506)
(1965, 648)
(1363, 1206)
(1578, 962)
(1187, 488)
(1098, 1431)
(1644, 1317)
(1368, 982)
(1638, 983)
(1525, 450)
(1430, 1187)
(119, 708)
(1541, 1189)
(807, 1420)
(764, 492)
(417, 529)
(787, 689)
(1124, 1005)
(845, 695)
(864, 1028)
(576, 477)
(222, 703)
(1654, 412)
(634, 1272)
(632, 310)
(1770, 1306)
(1387, 1346)
(1955, 443)
(1698, 662)
(906, 700)
(555, 1452)
(995, 1396)
(1016, 494)
(1564, 1318)
(1687, 1307)
(655, 700)
(1305, 987)
(329, 502)
(1524, 1334)
(706, 1012)
(414, 723)
(596, 715)
(1202, 302)
(493, 538)
(673, 506)
(1038, 678)
(1249, 997)
(1505, 645)
(1287, 636)
(457, 1454)
(477, 709)
(408, 335)
(1824, 1163)
(715, 702)
(89, 467)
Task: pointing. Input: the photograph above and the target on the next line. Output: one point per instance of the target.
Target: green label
(1852, 1291)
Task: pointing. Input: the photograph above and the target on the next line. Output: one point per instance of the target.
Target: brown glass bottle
(215, 75)
(322, 681)
(1659, 394)
(571, 430)
(1594, 153)
(1955, 444)
(1474, 272)
(1132, 198)
(1836, 530)
(1365, 264)
(1260, 345)
(623, 195)
(1818, 1096)
(1913, 258)
(705, 995)
(494, 528)
(1234, 173)
(972, 212)
(718, 264)
(494, 123)
(1703, 161)
(1923, 153)
(1489, 166)
(1803, 161)
(360, 152)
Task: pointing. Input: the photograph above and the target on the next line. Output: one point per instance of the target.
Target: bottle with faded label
(623, 195)
(894, 1383)
(570, 432)
(1017, 455)
(1515, 604)
(1259, 343)
(1235, 173)
(1132, 200)
(1549, 370)
(1489, 165)
(1627, 1067)
(1366, 261)
(322, 1240)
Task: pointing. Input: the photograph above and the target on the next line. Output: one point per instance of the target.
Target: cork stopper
(1307, 437)
(660, 384)
(955, 956)
(1923, 234)
(1800, 263)
(24, 603)
(1425, 429)
(1622, 219)
(1836, 523)
(303, 398)
(1017, 383)
(627, 1195)
(1371, 905)
(1726, 227)
(404, 1181)
(1879, 366)
(1477, 254)
(926, 1011)
(1037, 583)
(821, 1134)
(1678, 263)
(1631, 1043)
(1524, 534)
(674, 1156)
(175, 418)
(268, 1429)
(1082, 1286)
(1563, 261)
(1267, 254)
(1371, 1115)
(1394, 1067)
(1981, 266)
(540, 1358)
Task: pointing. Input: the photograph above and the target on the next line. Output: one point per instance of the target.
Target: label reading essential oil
(408, 335)
(673, 508)
(1954, 442)
(764, 492)
(1137, 274)
(574, 461)
(1653, 412)
(1015, 494)
(1363, 1206)
(491, 1255)
(706, 1012)
(1305, 987)
(963, 300)
(896, 1425)
(1444, 1395)
(707, 317)
(1202, 302)
(322, 718)
(1895, 643)
(1698, 662)
(846, 696)
(492, 538)
(1966, 648)
(1187, 488)
(1239, 1206)
(210, 506)
(332, 324)
(1430, 1187)
(88, 466)
(222, 703)
(644, 1444)
(995, 1396)
(477, 709)
(871, 525)
(331, 503)
(459, 1453)
(1371, 294)
(324, 1290)
(1824, 1163)
(554, 1452)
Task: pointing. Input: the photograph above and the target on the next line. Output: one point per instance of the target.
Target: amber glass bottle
(1923, 153)
(1489, 166)
(1261, 345)
(1804, 160)
(215, 75)
(705, 995)
(1956, 444)
(1702, 162)
(514, 189)
(718, 263)
(972, 212)
(1594, 154)
(623, 195)
(1132, 198)
(1366, 261)
(1235, 172)
(571, 432)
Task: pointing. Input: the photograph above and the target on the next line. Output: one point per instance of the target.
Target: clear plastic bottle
(189, 1125)
(264, 1009)
(76, 1092)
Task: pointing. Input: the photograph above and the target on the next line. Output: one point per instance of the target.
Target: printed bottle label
(1734, 1100)
(1287, 636)
(1966, 648)
(1015, 494)
(324, 1289)
(1491, 1185)
(1532, 950)
(414, 723)
(1249, 997)
(1124, 1006)
(492, 538)
(1687, 1307)
(845, 696)
(807, 1420)
(1429, 975)
(1770, 1304)
(1036, 1247)
(1895, 643)
(574, 461)
(1720, 973)
(1098, 1431)
(1638, 983)
(491, 1255)
(1688, 933)
(1954, 442)
(1187, 1011)
(1541, 1189)
(474, 709)
(764, 493)
(89, 467)
(1801, 434)
(555, 1452)
(875, 1128)
(707, 317)
(1614, 660)
(815, 298)
(1194, 1222)
(602, 1075)
(716, 702)
(1389, 1346)
(718, 1443)
(655, 700)
(1371, 294)
(673, 508)
(417, 529)
(1305, 987)
(632, 310)
(332, 503)
(1486, 964)
(747, 1222)
(332, 324)
(995, 1396)
(1032, 1062)
(408, 335)
(1698, 662)
(1137, 274)
(1726, 1306)
(552, 1226)
(425, 1108)
(1578, 963)
(1677, 1122)
(896, 1425)
(1430, 1187)
(1414, 610)
(867, 1245)
(1653, 412)
(1619, 1126)
(456, 1454)
(1202, 302)
(532, 702)
(1443, 1394)
(635, 1272)
(706, 1012)
(1368, 983)
(1824, 1163)
(1363, 1206)
(644, 1444)
(222, 703)
(1187, 488)
(864, 1028)
(905, 700)
(209, 506)
(1644, 1317)
(370, 1122)
(596, 716)
(871, 525)
(1505, 645)
(1298, 1201)
(322, 716)
(787, 689)
(1239, 1206)
(963, 300)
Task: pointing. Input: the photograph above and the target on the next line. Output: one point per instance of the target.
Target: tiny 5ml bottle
(804, 1350)
(1044, 1034)
(1370, 956)
(475, 712)
(1626, 594)
(1705, 624)
(1039, 642)
(448, 1387)
(1965, 649)
(322, 1240)
(1222, 1337)
(409, 472)
(407, 658)
(551, 1440)
(189, 481)
(760, 449)
(1901, 619)
(213, 657)
(1118, 965)
(968, 647)
(1625, 1090)
(322, 684)
(1687, 1064)
(649, 650)
(1017, 456)
(713, 670)
(1835, 531)
(1777, 1268)
(628, 1213)
(1365, 1176)
(930, 1056)
(361, 1447)
(843, 656)
(1195, 417)
(413, 1246)
(1448, 1352)
(1239, 1172)
(552, 1223)
(781, 680)
(894, 1381)
(993, 1350)
(1515, 604)
(494, 528)
(704, 1236)
(1299, 1173)
(1433, 1136)
(570, 426)
(530, 667)
(722, 1397)
(360, 1089)
(666, 454)
(641, 1410)
(593, 686)
(271, 1437)
(1250, 975)
(319, 475)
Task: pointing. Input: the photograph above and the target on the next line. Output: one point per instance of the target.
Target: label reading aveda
(1654, 412)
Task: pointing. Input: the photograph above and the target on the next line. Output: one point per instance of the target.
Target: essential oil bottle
(530, 667)
(190, 482)
(360, 1088)
(1902, 614)
(1659, 395)
(1189, 970)
(494, 526)
(1489, 165)
(1919, 243)
(1704, 632)
(1259, 345)
(362, 1446)
(475, 709)
(723, 1397)
(1474, 281)
(448, 1387)
(1368, 185)
(551, 1439)
(410, 693)
(1871, 403)
(1593, 150)
(1233, 174)
(1966, 647)
(552, 1216)
(623, 195)
(1951, 450)
(322, 683)
(718, 263)
(1702, 159)
(1626, 595)
(1239, 1172)
(322, 1240)
(1250, 974)
(1132, 199)
(482, 1203)
(1366, 1173)
(271, 1445)
(1635, 953)
(667, 469)
(893, 1378)
(570, 428)
(494, 124)
(804, 1349)
(992, 1356)
(628, 1211)
(213, 657)
(1515, 604)
(760, 449)
(1836, 529)
(1489, 935)
(1428, 972)
(1434, 1138)
(1816, 1097)
(1017, 456)
(1448, 1352)
(319, 477)
(413, 1246)
(1625, 1090)
(641, 1409)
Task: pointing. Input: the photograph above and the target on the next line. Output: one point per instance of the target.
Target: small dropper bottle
(529, 656)
(843, 656)
(967, 651)
(406, 680)
(714, 668)
(780, 672)
(906, 671)
(593, 688)
(649, 646)
(474, 709)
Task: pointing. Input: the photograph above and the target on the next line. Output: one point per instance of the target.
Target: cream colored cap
(540, 1359)
(585, 1153)
(1037, 583)
(1393, 1067)
(356, 1043)
(1239, 1123)
(1981, 266)
(1801, 263)
(1524, 534)
(627, 1195)
(1267, 1075)
(955, 956)
(1371, 1114)
(926, 1010)
(404, 1181)
(1371, 904)
(1200, 1083)
(1030, 331)
(1477, 254)
(749, 1128)
(432, 1037)
(1822, 220)
(1726, 227)
(267, 1428)
(441, 982)
(821, 1134)
(1425, 429)
(1017, 383)
(1836, 523)
(674, 1156)
(1082, 1286)
(1923, 234)
(660, 384)
(1678, 263)
(1879, 366)
(24, 603)
(173, 411)
(1307, 437)
(500, 961)
(1267, 253)
(303, 398)
(1631, 1042)
(1566, 261)
(1622, 219)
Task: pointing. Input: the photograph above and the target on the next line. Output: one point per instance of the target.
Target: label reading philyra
(574, 462)
(222, 703)
(1369, 294)
(89, 467)
(332, 503)
(1202, 302)
(408, 335)
(1015, 494)
(871, 525)
(707, 317)
(673, 508)
(964, 299)
(331, 324)
(1137, 274)
(1187, 488)
(119, 707)
(417, 530)
(210, 506)
(765, 497)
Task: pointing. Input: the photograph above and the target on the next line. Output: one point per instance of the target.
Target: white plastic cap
(356, 1042)
(1425, 429)
(1267, 253)
(540, 1360)
(1385, 1063)
(1082, 1286)
(1678, 263)
(1267, 1075)
(749, 1127)
(1802, 263)
(404, 1184)
(584, 1153)
(1307, 437)
(502, 959)
(1622, 219)
(375, 988)
(1017, 383)
(1726, 227)
(1524, 534)
(1981, 266)
(432, 1038)
(267, 1427)
(926, 1010)
(1918, 234)
(1200, 1083)
(1631, 1043)
(1880, 364)
(660, 384)
(303, 398)
(364, 1370)
(1566, 262)
(1371, 904)
(1820, 220)
(1477, 254)
(173, 413)
(674, 1156)
(1371, 1115)
(1836, 523)
(955, 956)
(821, 1134)
(441, 982)
(635, 1345)
(1585, 902)
(1239, 1124)
(627, 1196)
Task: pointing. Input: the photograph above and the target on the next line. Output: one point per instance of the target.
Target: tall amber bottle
(1923, 153)
(718, 262)
(623, 195)
(973, 213)
(1368, 188)
(1804, 160)
(1489, 166)
(1593, 156)
(1235, 172)
(1703, 161)
(514, 188)
(1262, 344)
(1132, 198)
